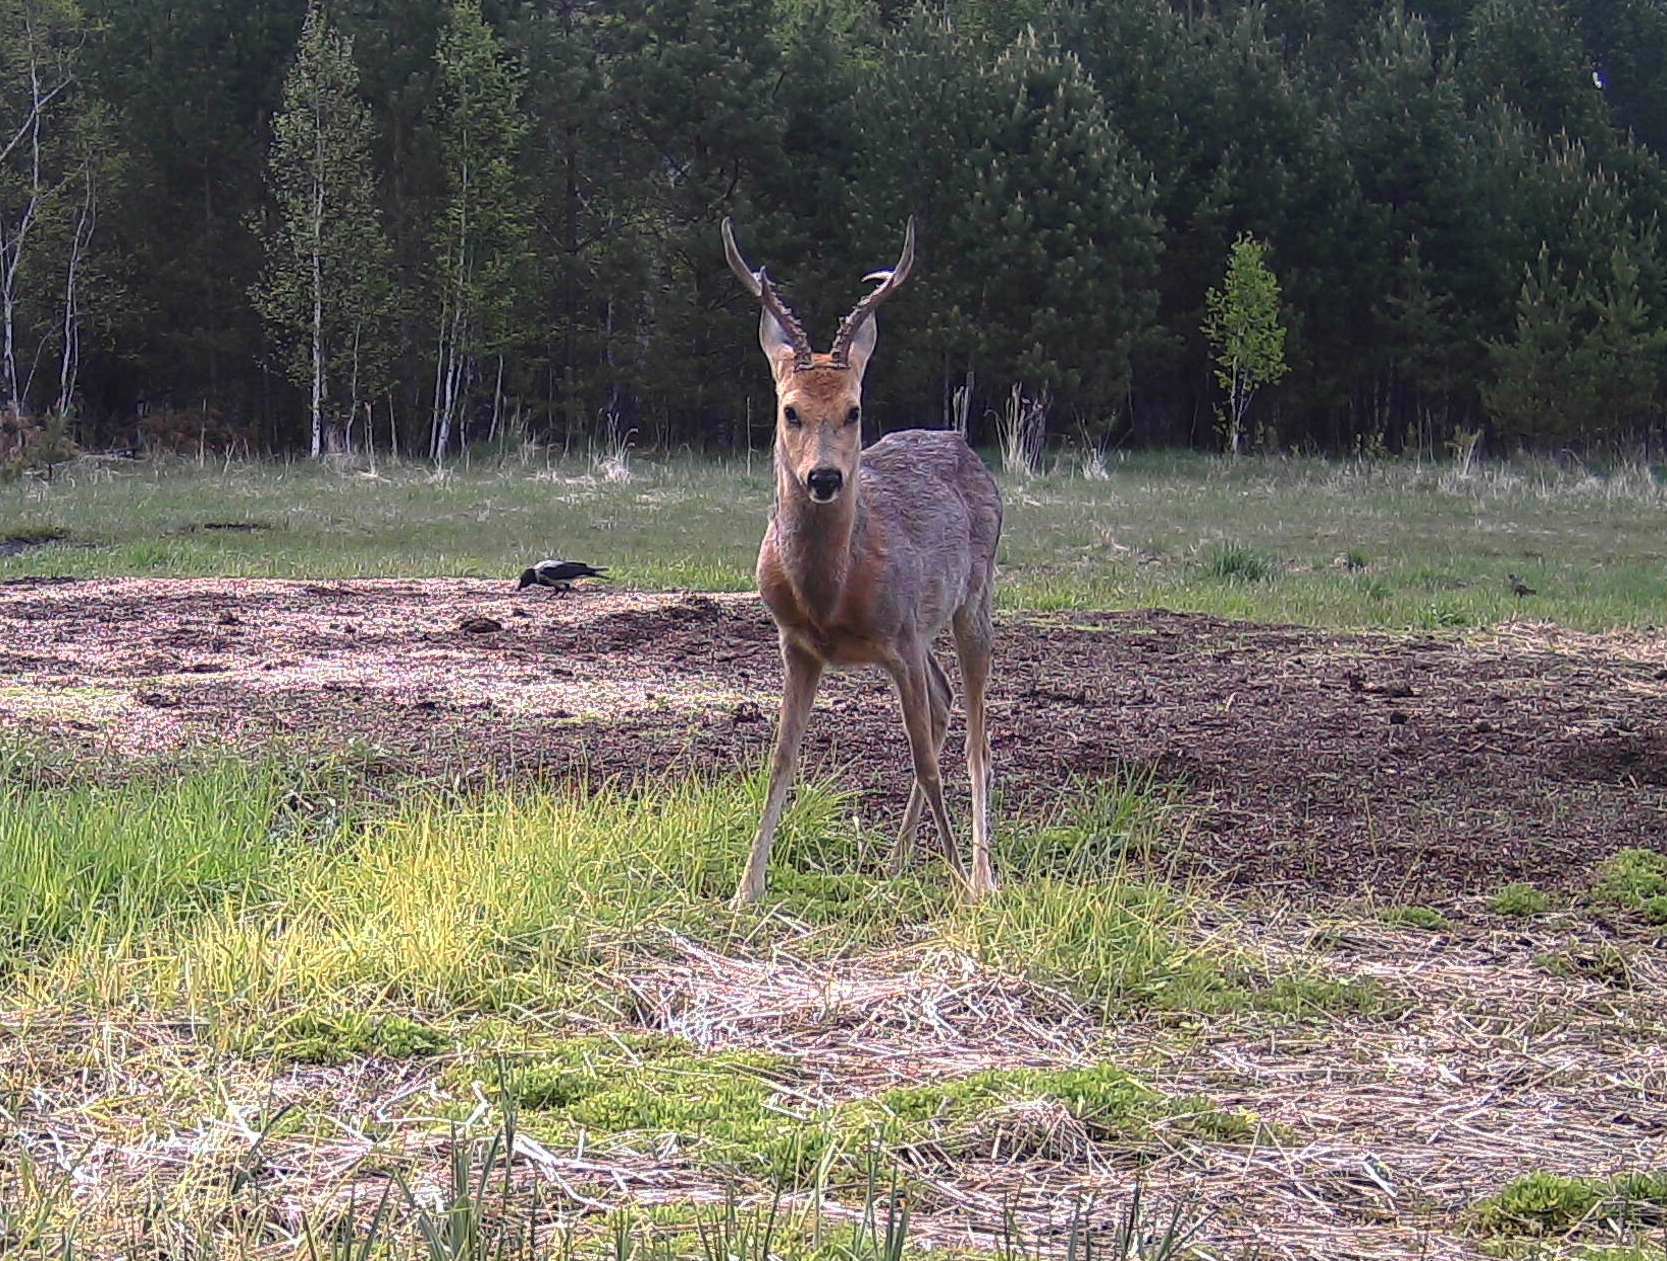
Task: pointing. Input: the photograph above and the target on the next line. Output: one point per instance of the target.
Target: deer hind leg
(803, 674)
(974, 645)
(940, 698)
(914, 690)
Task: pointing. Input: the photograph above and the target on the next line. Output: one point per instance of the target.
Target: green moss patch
(654, 1091)
(1542, 1203)
(316, 1038)
(1308, 995)
(1519, 901)
(1415, 917)
(1604, 963)
(1634, 880)
(1032, 1111)
(742, 1112)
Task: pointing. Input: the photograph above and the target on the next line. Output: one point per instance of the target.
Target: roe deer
(869, 555)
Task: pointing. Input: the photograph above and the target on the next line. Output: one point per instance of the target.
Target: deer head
(818, 396)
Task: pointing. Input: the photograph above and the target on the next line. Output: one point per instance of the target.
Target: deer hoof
(745, 896)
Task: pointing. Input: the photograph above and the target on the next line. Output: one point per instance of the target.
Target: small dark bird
(1520, 588)
(558, 574)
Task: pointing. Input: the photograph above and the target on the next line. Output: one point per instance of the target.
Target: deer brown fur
(868, 557)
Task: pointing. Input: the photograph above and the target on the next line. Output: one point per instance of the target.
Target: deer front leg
(911, 674)
(940, 695)
(803, 674)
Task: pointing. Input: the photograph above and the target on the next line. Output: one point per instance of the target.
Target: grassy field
(280, 1006)
(1335, 543)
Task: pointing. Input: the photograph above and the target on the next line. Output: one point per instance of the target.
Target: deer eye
(853, 416)
(791, 416)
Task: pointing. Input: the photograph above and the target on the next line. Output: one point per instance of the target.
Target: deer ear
(776, 343)
(862, 345)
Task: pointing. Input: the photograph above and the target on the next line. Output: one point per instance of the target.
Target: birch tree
(481, 236)
(1247, 340)
(325, 290)
(39, 45)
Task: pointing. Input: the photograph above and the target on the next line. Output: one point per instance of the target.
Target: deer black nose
(824, 483)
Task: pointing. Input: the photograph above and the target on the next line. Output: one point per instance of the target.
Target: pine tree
(1529, 54)
(192, 87)
(1542, 391)
(575, 175)
(1061, 226)
(1037, 214)
(1627, 351)
(1401, 121)
(700, 100)
(325, 290)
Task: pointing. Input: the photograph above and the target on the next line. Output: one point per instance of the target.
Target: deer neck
(814, 542)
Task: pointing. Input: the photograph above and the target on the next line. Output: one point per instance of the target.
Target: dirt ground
(1316, 764)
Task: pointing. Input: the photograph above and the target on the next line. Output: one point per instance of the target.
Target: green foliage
(1634, 880)
(1245, 331)
(1518, 900)
(1529, 53)
(1586, 358)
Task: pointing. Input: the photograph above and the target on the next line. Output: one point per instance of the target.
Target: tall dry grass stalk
(1023, 428)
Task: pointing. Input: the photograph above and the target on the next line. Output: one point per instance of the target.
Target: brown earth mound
(1321, 762)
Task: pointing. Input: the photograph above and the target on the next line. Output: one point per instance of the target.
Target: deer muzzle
(824, 484)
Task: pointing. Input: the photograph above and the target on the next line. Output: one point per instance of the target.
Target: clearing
(1409, 766)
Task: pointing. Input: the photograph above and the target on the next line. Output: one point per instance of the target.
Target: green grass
(280, 914)
(1325, 542)
(1234, 562)
(297, 918)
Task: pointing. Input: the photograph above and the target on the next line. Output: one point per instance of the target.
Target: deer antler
(758, 284)
(890, 282)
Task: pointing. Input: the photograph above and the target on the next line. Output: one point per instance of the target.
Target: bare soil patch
(1317, 763)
